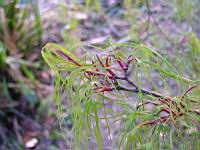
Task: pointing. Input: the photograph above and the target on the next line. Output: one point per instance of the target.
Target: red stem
(66, 57)
(122, 65)
(100, 61)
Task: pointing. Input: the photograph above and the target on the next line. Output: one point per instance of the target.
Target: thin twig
(161, 31)
(144, 91)
(149, 16)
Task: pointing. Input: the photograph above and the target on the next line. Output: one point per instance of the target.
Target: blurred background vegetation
(27, 112)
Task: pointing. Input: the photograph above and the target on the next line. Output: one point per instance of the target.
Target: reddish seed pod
(102, 75)
(92, 73)
(111, 72)
(108, 65)
(188, 91)
(164, 102)
(107, 61)
(130, 60)
(164, 119)
(122, 65)
(165, 110)
(106, 89)
(191, 88)
(160, 120)
(103, 89)
(168, 98)
(97, 69)
(125, 67)
(111, 77)
(120, 62)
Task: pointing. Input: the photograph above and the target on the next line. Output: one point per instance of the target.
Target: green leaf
(2, 55)
(194, 54)
(59, 62)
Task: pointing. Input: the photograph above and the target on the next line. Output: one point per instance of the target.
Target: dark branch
(144, 91)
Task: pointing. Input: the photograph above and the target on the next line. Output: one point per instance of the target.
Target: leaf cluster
(136, 103)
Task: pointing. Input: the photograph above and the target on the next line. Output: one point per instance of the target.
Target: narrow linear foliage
(127, 96)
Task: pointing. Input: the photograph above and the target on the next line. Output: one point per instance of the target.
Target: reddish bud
(97, 69)
(168, 99)
(164, 102)
(111, 72)
(190, 89)
(107, 61)
(102, 75)
(160, 120)
(92, 73)
(122, 65)
(130, 59)
(104, 89)
(165, 110)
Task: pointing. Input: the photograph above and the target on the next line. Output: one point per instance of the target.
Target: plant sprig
(90, 85)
